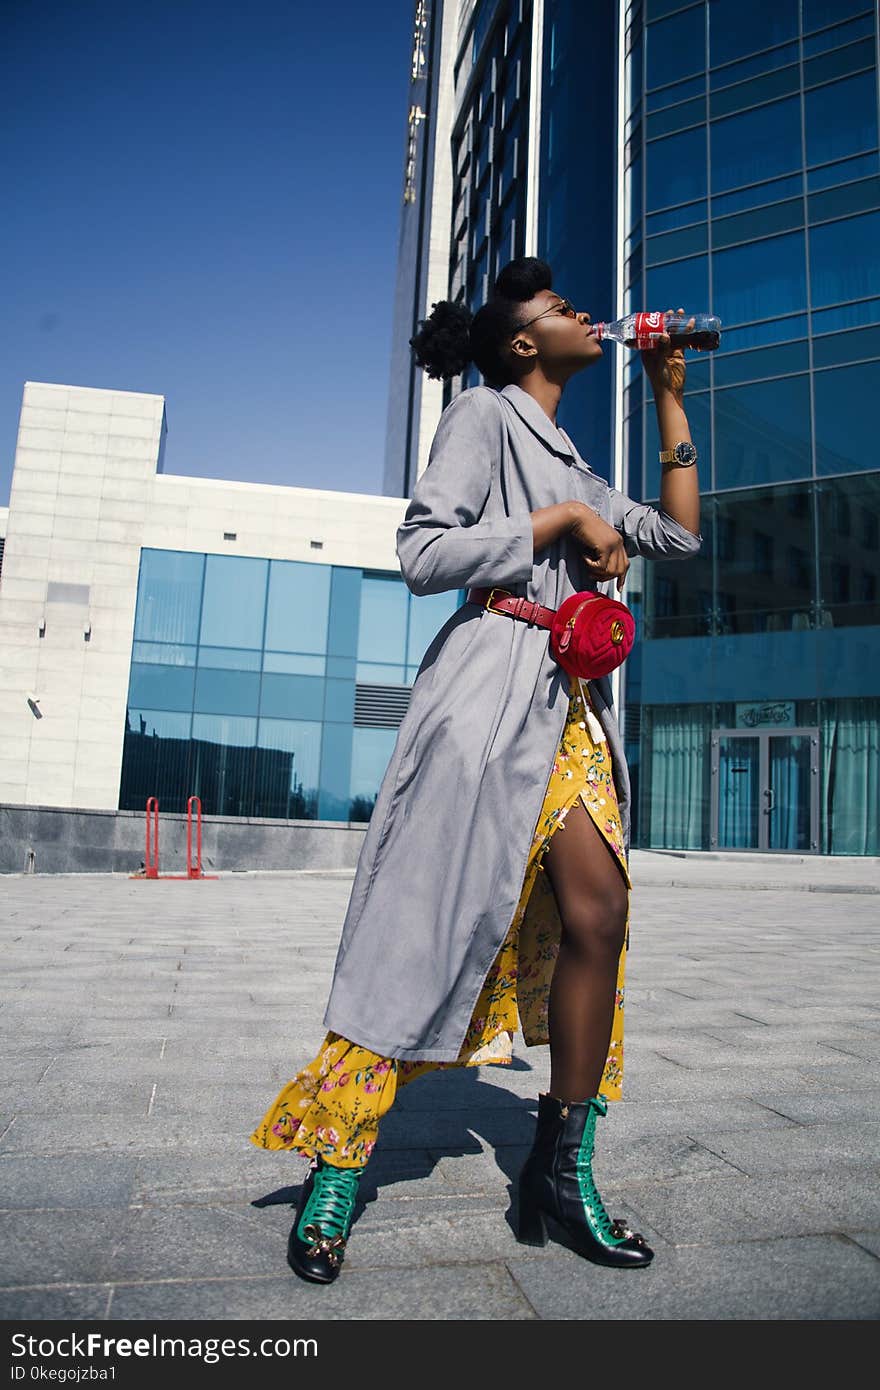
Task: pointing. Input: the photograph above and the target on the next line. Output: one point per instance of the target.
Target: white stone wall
(85, 498)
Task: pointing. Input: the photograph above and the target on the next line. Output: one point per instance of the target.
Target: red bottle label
(648, 328)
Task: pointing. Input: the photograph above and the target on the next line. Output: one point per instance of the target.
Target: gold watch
(682, 455)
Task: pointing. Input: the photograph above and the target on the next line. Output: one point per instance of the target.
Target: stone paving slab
(799, 1277)
(146, 1031)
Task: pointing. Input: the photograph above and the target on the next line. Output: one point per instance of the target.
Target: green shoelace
(331, 1201)
(603, 1227)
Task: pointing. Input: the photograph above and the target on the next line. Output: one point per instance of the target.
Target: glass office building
(269, 688)
(719, 155)
(752, 187)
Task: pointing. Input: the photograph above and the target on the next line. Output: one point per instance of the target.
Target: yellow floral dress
(334, 1105)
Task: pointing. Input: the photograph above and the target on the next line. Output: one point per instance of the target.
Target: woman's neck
(547, 393)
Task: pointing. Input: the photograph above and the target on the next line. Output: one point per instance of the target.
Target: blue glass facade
(269, 688)
(746, 134)
(753, 190)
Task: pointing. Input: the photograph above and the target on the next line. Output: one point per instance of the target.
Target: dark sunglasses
(564, 307)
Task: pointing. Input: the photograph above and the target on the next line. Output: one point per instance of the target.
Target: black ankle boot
(316, 1244)
(557, 1183)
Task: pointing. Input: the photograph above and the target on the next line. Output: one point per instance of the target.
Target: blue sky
(203, 202)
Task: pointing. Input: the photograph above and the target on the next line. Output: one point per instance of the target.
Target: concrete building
(719, 155)
(170, 636)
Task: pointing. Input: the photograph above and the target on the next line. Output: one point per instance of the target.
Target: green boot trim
(606, 1231)
(329, 1208)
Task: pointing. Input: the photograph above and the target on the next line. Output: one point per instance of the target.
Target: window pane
(779, 330)
(759, 280)
(847, 316)
(738, 27)
(426, 617)
(859, 167)
(291, 663)
(382, 632)
(770, 192)
(235, 601)
(855, 57)
(155, 758)
(756, 145)
(161, 687)
(673, 245)
(843, 259)
(299, 602)
(169, 596)
(837, 348)
(229, 659)
(841, 119)
(762, 433)
(370, 755)
(849, 558)
(818, 13)
(765, 570)
(163, 653)
(782, 360)
(676, 169)
(838, 34)
(222, 764)
(287, 767)
(846, 418)
(760, 222)
(676, 47)
(227, 692)
(381, 673)
(760, 89)
(841, 202)
(292, 697)
(682, 284)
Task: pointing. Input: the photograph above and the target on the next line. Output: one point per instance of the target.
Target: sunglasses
(564, 307)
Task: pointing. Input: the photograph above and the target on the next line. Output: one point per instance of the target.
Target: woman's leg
(592, 898)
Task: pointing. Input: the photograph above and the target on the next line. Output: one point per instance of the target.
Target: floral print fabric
(334, 1105)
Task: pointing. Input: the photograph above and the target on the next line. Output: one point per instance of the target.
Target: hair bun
(523, 278)
(442, 344)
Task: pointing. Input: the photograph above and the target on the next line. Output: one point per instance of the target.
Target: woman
(451, 935)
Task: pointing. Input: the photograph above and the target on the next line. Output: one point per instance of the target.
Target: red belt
(506, 602)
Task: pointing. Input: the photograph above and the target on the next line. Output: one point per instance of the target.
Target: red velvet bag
(591, 635)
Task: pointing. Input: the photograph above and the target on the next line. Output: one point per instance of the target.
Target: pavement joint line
(853, 1240)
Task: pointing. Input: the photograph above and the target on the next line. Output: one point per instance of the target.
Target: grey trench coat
(443, 860)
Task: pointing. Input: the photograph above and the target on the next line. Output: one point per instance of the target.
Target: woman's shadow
(442, 1115)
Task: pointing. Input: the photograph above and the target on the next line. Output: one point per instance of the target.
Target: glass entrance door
(765, 790)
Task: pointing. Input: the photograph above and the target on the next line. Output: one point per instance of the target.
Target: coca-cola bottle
(644, 330)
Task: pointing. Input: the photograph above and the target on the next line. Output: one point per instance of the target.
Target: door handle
(771, 800)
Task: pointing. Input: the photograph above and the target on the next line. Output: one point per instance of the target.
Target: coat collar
(528, 410)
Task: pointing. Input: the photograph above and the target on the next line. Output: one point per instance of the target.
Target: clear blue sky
(202, 201)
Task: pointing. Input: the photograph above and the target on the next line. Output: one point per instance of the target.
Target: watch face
(685, 453)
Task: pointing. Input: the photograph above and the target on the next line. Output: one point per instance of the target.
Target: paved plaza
(147, 1026)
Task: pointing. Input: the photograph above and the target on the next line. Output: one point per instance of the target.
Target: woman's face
(555, 335)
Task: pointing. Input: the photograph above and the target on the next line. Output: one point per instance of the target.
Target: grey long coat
(444, 857)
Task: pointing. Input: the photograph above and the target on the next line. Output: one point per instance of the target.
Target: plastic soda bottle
(642, 330)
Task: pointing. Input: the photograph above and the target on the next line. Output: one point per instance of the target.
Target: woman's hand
(604, 553)
(665, 365)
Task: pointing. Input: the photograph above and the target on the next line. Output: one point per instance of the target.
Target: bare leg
(592, 898)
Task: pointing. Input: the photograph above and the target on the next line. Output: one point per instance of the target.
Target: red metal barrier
(151, 862)
(193, 866)
(194, 870)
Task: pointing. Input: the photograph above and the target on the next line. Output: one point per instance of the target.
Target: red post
(151, 862)
(194, 870)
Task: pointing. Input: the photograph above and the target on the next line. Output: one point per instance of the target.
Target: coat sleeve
(442, 543)
(650, 531)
